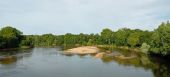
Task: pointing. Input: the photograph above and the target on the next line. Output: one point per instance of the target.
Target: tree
(145, 48)
(121, 36)
(2, 42)
(157, 41)
(134, 39)
(12, 36)
(26, 41)
(107, 36)
(146, 37)
(48, 39)
(160, 43)
(69, 39)
(59, 40)
(90, 42)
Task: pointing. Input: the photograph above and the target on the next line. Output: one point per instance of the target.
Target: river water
(51, 62)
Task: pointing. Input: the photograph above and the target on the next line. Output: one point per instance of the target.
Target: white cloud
(87, 16)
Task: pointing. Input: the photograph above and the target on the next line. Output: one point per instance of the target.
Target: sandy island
(95, 50)
(83, 50)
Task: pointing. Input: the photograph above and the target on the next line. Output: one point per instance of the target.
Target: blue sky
(82, 16)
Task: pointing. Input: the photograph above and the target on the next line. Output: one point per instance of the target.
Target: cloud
(82, 16)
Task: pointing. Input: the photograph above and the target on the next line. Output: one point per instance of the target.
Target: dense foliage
(10, 37)
(157, 41)
(161, 39)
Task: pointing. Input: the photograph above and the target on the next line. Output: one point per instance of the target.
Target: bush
(155, 50)
(145, 48)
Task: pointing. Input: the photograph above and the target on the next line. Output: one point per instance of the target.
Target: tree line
(157, 41)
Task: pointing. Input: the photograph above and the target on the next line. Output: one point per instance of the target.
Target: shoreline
(8, 49)
(110, 47)
(83, 50)
(98, 53)
(105, 47)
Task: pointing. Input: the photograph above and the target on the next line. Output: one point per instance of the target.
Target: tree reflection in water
(12, 56)
(8, 60)
(159, 67)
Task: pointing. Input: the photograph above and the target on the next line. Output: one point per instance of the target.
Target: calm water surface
(50, 62)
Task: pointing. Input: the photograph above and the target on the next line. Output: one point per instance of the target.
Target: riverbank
(111, 47)
(22, 47)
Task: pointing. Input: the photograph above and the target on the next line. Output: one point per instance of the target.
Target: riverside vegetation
(150, 42)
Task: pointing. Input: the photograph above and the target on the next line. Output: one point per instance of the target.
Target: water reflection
(8, 60)
(42, 60)
(12, 56)
(159, 67)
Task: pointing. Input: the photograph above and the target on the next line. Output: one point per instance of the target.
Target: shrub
(145, 48)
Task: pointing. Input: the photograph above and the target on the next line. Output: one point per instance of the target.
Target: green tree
(2, 42)
(134, 39)
(59, 40)
(26, 41)
(107, 36)
(90, 42)
(145, 48)
(146, 37)
(160, 39)
(12, 36)
(121, 36)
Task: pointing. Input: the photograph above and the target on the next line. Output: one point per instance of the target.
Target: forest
(151, 42)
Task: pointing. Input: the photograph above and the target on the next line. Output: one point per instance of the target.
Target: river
(51, 62)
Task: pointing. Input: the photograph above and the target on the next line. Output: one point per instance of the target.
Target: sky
(82, 16)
